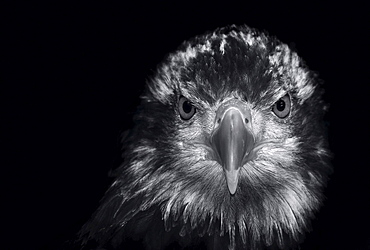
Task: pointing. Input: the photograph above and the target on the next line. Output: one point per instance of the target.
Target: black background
(72, 79)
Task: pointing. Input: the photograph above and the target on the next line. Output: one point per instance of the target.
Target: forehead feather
(229, 59)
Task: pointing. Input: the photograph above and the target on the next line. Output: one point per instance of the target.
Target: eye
(281, 108)
(186, 109)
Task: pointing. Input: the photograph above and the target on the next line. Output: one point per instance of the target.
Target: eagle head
(229, 148)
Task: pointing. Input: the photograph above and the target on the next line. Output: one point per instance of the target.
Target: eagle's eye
(281, 108)
(186, 109)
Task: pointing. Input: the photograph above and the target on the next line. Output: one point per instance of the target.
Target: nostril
(218, 120)
(246, 120)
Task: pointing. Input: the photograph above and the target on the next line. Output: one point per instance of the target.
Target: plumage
(229, 149)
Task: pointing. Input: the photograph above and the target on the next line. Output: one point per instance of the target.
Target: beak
(232, 139)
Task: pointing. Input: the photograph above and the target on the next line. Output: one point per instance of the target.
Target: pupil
(280, 105)
(186, 106)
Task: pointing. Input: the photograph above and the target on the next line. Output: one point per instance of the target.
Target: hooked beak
(232, 139)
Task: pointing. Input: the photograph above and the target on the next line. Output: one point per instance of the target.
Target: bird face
(229, 142)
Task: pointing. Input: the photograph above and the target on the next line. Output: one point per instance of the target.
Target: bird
(229, 150)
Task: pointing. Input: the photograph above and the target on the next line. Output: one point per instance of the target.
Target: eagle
(229, 150)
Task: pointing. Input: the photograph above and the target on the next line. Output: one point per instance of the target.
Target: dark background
(72, 79)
